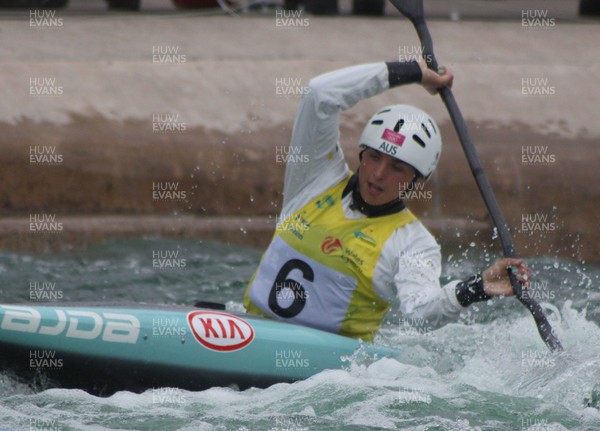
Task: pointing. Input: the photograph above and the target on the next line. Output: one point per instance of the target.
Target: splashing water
(487, 371)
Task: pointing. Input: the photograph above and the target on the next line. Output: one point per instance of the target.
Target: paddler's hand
(432, 81)
(495, 278)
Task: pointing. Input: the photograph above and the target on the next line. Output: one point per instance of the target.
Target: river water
(487, 371)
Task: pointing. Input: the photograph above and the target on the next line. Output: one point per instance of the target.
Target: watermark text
(537, 222)
(168, 123)
(163, 259)
(415, 327)
(286, 153)
(537, 155)
(45, 86)
(168, 396)
(44, 291)
(44, 155)
(168, 327)
(409, 395)
(537, 18)
(408, 53)
(167, 191)
(537, 86)
(44, 360)
(43, 424)
(291, 19)
(44, 18)
(537, 359)
(44, 223)
(290, 87)
(290, 358)
(168, 54)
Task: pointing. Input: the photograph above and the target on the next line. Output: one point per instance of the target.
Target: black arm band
(403, 72)
(471, 290)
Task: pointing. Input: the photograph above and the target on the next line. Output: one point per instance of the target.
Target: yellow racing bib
(318, 269)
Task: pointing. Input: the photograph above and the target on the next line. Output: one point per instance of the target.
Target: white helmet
(407, 134)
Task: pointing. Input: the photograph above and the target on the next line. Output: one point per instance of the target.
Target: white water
(488, 371)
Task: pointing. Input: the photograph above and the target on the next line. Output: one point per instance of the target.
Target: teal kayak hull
(106, 348)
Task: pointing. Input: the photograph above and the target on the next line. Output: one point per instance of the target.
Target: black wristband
(471, 290)
(403, 72)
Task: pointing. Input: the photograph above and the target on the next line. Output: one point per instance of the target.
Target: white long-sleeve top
(408, 270)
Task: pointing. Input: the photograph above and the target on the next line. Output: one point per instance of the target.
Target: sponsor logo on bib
(326, 202)
(331, 244)
(221, 332)
(365, 238)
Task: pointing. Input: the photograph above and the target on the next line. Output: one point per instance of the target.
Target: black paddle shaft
(413, 10)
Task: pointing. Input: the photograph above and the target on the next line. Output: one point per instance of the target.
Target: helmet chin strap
(359, 204)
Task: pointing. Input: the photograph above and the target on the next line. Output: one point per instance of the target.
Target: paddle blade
(544, 328)
(412, 9)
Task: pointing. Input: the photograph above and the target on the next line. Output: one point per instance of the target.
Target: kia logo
(222, 332)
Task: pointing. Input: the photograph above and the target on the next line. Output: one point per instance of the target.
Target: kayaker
(346, 248)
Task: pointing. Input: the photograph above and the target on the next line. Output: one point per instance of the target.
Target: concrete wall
(222, 89)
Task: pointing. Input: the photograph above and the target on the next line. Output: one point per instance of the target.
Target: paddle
(413, 10)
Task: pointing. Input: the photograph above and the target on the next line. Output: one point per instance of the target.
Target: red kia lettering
(221, 332)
